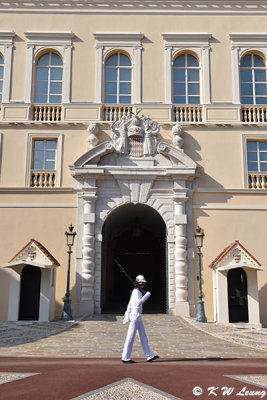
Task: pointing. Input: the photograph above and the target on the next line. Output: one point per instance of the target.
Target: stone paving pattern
(104, 335)
(259, 380)
(127, 389)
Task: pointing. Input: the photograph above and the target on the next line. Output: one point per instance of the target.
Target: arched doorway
(237, 295)
(135, 235)
(30, 293)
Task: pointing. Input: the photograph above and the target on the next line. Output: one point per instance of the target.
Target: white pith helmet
(140, 278)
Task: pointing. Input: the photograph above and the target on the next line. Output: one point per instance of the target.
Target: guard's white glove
(126, 319)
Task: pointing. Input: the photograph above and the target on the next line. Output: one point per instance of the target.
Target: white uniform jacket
(134, 308)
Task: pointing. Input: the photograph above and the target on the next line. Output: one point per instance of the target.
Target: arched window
(186, 86)
(118, 79)
(49, 71)
(1, 76)
(253, 80)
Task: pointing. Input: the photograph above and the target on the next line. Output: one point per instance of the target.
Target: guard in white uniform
(133, 313)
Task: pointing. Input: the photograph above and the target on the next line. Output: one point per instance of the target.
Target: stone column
(88, 254)
(180, 252)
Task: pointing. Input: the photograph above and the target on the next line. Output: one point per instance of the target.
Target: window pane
(56, 60)
(125, 100)
(252, 146)
(44, 60)
(110, 99)
(41, 87)
(49, 165)
(258, 61)
(38, 144)
(179, 89)
(192, 61)
(111, 88)
(252, 156)
(51, 144)
(1, 72)
(50, 155)
(263, 156)
(112, 60)
(42, 74)
(260, 76)
(1, 59)
(0, 97)
(246, 75)
(193, 100)
(261, 89)
(54, 99)
(246, 89)
(246, 61)
(125, 74)
(56, 88)
(193, 88)
(179, 75)
(252, 166)
(261, 100)
(37, 165)
(263, 145)
(193, 75)
(125, 88)
(179, 100)
(40, 99)
(124, 60)
(247, 100)
(38, 155)
(1, 86)
(111, 74)
(263, 166)
(56, 74)
(179, 61)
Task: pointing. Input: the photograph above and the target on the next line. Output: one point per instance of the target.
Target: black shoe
(152, 359)
(128, 361)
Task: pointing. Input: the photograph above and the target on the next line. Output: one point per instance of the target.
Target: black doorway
(237, 295)
(135, 235)
(30, 293)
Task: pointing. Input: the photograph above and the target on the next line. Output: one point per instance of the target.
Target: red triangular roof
(42, 248)
(227, 249)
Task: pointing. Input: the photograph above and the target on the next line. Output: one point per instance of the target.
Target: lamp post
(66, 313)
(199, 236)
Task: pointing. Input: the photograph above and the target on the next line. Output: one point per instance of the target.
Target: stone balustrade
(43, 178)
(254, 114)
(114, 113)
(257, 181)
(191, 114)
(46, 113)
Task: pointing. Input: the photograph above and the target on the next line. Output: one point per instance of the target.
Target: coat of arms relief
(135, 136)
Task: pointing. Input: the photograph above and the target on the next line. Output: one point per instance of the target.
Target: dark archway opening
(30, 293)
(135, 235)
(237, 295)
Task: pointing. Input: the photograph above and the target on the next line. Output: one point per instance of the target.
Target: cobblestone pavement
(104, 335)
(234, 333)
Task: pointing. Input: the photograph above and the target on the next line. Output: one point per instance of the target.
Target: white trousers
(136, 326)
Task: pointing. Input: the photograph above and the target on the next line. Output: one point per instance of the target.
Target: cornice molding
(40, 38)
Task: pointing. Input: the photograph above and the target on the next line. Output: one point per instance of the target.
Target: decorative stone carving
(135, 135)
(178, 141)
(93, 129)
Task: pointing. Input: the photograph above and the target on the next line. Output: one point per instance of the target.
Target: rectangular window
(44, 154)
(257, 156)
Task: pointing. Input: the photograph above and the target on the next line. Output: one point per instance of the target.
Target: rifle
(124, 272)
(129, 278)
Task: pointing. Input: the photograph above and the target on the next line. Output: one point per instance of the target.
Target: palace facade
(135, 121)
